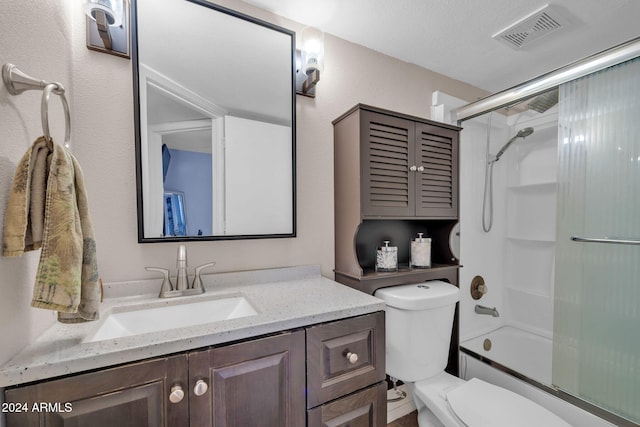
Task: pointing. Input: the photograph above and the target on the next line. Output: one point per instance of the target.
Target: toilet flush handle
(352, 357)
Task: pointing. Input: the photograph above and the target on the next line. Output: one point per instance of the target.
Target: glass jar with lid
(421, 252)
(387, 257)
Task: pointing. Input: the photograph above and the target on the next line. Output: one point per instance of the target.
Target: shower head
(542, 103)
(523, 133)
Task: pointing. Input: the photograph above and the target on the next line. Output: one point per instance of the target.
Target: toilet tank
(419, 319)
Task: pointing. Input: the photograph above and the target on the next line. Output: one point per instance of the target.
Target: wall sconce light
(309, 61)
(108, 26)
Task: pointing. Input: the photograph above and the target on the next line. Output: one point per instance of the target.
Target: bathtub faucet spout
(481, 309)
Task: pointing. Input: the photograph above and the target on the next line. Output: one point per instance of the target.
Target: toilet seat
(476, 403)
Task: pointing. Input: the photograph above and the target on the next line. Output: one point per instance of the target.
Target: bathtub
(520, 361)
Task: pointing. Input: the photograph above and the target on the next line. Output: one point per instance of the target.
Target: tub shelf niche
(542, 186)
(542, 241)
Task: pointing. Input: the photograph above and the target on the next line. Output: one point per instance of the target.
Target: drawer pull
(352, 357)
(200, 388)
(177, 394)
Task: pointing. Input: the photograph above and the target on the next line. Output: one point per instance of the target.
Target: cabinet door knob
(413, 168)
(177, 394)
(352, 357)
(200, 388)
(420, 168)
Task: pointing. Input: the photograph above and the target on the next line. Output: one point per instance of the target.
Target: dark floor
(409, 420)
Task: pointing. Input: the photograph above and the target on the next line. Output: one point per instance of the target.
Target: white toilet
(419, 319)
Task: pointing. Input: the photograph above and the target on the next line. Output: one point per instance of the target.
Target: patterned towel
(48, 209)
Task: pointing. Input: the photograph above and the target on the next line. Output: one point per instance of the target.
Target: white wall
(35, 35)
(47, 38)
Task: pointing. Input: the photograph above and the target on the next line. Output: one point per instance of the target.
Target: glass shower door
(596, 350)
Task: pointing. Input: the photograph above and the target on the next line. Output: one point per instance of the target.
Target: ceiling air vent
(543, 21)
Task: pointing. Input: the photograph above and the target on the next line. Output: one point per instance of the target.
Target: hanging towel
(48, 209)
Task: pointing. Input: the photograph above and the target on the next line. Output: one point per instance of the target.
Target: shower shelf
(537, 240)
(534, 186)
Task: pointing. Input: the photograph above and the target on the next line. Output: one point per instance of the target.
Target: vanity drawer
(364, 408)
(344, 356)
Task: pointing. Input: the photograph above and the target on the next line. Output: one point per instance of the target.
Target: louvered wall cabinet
(395, 175)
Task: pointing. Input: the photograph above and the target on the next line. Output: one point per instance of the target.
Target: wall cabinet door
(436, 172)
(387, 152)
(258, 383)
(135, 395)
(409, 168)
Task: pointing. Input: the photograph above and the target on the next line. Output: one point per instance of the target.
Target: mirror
(215, 123)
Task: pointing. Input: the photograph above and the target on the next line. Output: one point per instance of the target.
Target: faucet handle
(167, 286)
(197, 280)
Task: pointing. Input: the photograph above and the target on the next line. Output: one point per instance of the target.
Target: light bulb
(312, 49)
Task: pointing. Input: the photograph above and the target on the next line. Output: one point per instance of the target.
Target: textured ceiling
(454, 37)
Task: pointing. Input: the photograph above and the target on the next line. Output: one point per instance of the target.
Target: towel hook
(16, 82)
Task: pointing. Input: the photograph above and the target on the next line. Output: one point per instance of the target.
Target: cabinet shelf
(372, 280)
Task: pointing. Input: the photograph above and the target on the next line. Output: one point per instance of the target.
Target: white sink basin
(142, 319)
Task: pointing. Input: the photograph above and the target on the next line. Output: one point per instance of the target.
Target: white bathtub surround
(516, 257)
(284, 298)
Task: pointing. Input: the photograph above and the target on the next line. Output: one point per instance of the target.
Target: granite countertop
(285, 298)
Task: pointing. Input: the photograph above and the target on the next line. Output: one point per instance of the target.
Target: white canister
(421, 252)
(387, 257)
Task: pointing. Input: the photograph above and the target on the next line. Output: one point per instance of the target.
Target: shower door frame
(549, 81)
(529, 89)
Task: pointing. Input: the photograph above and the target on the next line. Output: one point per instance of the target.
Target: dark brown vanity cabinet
(346, 372)
(134, 395)
(289, 379)
(253, 383)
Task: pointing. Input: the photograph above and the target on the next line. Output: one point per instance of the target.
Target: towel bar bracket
(17, 81)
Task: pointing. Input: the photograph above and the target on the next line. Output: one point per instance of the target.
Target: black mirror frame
(136, 106)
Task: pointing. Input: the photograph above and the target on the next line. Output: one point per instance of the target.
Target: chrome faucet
(182, 287)
(182, 281)
(481, 309)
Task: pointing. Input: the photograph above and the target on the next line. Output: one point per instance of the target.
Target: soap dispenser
(421, 252)
(387, 257)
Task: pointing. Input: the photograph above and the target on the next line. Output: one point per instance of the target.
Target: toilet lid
(479, 404)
